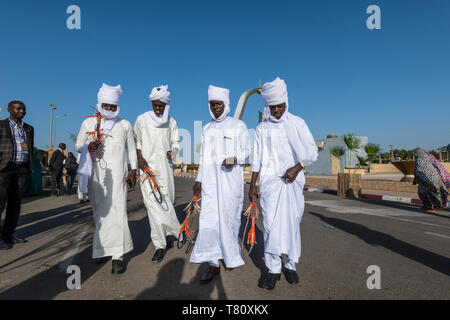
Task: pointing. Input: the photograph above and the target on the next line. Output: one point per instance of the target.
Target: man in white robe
(157, 144)
(220, 179)
(103, 173)
(283, 147)
(82, 196)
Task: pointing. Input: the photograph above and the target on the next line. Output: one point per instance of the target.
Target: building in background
(327, 164)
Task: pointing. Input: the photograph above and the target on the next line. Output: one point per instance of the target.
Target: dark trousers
(13, 185)
(57, 182)
(70, 181)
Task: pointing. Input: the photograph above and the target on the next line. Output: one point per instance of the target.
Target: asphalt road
(340, 240)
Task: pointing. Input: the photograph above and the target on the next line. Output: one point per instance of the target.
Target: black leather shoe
(3, 245)
(210, 274)
(291, 276)
(270, 280)
(159, 255)
(118, 266)
(13, 239)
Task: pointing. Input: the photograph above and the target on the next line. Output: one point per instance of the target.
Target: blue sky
(392, 85)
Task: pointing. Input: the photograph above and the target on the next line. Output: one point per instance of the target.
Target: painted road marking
(437, 234)
(420, 222)
(352, 207)
(70, 255)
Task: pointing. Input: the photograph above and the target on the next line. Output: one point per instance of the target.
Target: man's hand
(229, 162)
(94, 145)
(253, 193)
(132, 177)
(292, 173)
(142, 163)
(197, 189)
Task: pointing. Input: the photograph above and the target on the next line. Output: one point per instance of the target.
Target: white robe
(222, 192)
(282, 203)
(154, 143)
(107, 188)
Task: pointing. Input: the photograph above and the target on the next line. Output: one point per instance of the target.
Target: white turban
(274, 93)
(109, 95)
(219, 94)
(159, 93)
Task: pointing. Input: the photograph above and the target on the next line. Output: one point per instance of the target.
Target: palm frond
(352, 141)
(337, 152)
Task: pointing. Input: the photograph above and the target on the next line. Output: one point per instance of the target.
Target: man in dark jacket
(71, 168)
(16, 162)
(56, 165)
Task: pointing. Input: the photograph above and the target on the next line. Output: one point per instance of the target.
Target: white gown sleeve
(82, 136)
(138, 134)
(131, 146)
(200, 164)
(174, 139)
(308, 147)
(244, 140)
(257, 152)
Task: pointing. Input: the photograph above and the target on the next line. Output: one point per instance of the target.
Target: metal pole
(54, 131)
(52, 107)
(243, 101)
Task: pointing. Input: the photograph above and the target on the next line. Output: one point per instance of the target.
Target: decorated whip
(192, 209)
(149, 176)
(251, 213)
(97, 134)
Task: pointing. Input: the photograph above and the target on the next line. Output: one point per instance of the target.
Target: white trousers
(273, 263)
(214, 263)
(81, 195)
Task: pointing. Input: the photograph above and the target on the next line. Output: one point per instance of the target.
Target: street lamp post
(52, 107)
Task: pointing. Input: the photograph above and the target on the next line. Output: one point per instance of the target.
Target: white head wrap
(219, 94)
(109, 95)
(275, 93)
(159, 93)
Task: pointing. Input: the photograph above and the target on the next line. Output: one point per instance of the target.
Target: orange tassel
(191, 209)
(251, 213)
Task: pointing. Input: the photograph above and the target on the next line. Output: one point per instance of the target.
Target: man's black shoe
(270, 280)
(13, 239)
(159, 255)
(210, 274)
(291, 276)
(118, 266)
(3, 245)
